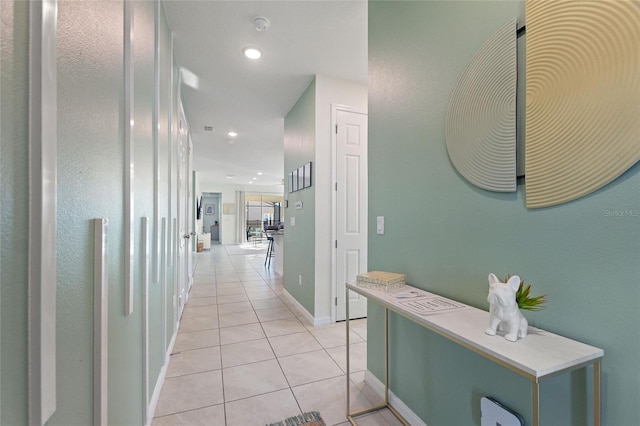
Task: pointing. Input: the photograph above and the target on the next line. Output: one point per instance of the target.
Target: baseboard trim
(307, 316)
(321, 321)
(163, 372)
(401, 407)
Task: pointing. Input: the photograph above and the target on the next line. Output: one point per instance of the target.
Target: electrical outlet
(292, 221)
(299, 279)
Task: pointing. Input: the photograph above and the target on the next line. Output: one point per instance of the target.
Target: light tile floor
(245, 356)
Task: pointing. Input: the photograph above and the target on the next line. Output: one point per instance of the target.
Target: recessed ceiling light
(231, 176)
(252, 53)
(232, 134)
(259, 173)
(250, 181)
(254, 178)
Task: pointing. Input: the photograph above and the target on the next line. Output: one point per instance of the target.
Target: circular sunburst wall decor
(480, 127)
(583, 97)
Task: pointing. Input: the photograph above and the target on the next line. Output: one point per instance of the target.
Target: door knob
(187, 236)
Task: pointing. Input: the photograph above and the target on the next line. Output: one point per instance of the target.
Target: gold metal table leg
(348, 366)
(535, 403)
(596, 393)
(386, 356)
(350, 415)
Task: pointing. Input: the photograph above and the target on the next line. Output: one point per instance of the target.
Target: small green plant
(525, 301)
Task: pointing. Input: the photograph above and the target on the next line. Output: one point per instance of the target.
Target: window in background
(262, 210)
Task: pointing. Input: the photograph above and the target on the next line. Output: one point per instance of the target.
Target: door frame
(334, 202)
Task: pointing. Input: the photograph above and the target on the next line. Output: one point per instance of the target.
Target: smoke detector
(261, 23)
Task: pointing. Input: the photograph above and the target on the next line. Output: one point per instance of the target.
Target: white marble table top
(538, 355)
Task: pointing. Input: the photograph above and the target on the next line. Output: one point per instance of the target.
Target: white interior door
(351, 209)
(183, 224)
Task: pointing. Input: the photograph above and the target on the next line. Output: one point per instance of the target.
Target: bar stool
(269, 250)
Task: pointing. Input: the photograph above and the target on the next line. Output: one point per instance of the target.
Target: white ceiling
(252, 97)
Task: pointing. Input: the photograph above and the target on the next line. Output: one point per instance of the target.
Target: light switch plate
(380, 225)
(292, 221)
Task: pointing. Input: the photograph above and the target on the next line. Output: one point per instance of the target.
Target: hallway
(245, 356)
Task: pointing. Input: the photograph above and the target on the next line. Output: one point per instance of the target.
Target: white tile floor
(244, 356)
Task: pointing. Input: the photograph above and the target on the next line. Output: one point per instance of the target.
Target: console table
(540, 355)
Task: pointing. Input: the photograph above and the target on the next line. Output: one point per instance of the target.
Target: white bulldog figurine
(503, 309)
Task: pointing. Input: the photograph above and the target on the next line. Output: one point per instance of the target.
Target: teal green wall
(91, 169)
(90, 161)
(14, 205)
(447, 235)
(299, 240)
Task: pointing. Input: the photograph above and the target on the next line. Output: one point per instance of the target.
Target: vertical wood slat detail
(100, 323)
(129, 228)
(145, 317)
(156, 141)
(42, 210)
(163, 283)
(171, 154)
(175, 241)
